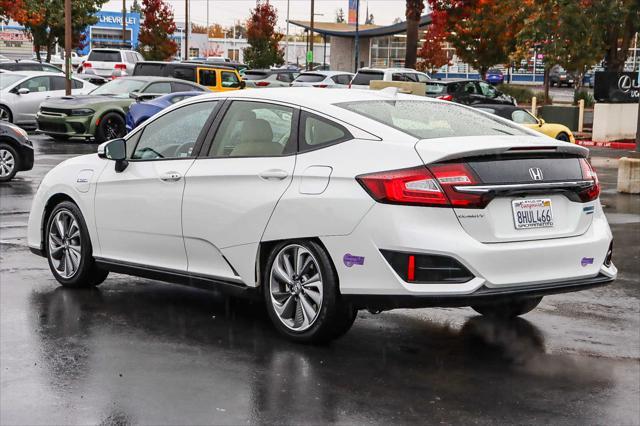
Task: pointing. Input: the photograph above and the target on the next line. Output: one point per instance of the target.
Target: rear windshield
(494, 71)
(252, 75)
(149, 69)
(310, 78)
(365, 77)
(435, 88)
(104, 56)
(121, 87)
(428, 120)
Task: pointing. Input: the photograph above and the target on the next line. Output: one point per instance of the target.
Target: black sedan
(467, 91)
(16, 151)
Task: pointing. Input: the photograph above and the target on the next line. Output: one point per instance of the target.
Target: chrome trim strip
(482, 189)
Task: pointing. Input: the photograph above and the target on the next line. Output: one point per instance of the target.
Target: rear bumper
(482, 295)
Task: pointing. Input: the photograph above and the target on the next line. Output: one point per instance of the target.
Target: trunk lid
(533, 184)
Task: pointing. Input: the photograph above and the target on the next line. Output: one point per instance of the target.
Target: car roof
(36, 73)
(499, 107)
(326, 73)
(367, 69)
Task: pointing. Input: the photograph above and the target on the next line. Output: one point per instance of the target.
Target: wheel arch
(101, 114)
(2, 104)
(265, 247)
(52, 201)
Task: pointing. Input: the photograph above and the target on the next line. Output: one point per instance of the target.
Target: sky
(226, 12)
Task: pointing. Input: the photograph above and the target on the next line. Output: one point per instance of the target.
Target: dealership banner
(616, 87)
(353, 11)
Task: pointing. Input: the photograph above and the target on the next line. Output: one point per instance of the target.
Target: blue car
(495, 76)
(141, 111)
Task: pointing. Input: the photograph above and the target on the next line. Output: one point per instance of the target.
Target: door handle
(276, 174)
(171, 177)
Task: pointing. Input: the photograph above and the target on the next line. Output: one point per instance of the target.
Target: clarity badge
(586, 261)
(350, 260)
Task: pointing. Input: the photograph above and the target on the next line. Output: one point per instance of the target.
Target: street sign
(309, 56)
(616, 87)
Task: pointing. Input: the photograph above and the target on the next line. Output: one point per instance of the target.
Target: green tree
(135, 7)
(263, 50)
(617, 22)
(154, 41)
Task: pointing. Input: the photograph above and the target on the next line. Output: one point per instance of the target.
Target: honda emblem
(536, 173)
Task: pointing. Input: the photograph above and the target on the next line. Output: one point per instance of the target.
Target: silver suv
(366, 75)
(110, 62)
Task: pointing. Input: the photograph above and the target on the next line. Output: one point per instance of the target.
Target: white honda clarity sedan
(327, 202)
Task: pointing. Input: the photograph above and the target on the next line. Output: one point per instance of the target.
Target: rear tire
(5, 114)
(68, 248)
(112, 126)
(301, 293)
(508, 308)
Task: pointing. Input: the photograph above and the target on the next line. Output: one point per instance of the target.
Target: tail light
(349, 85)
(433, 186)
(262, 83)
(445, 97)
(120, 67)
(588, 173)
(87, 64)
(322, 86)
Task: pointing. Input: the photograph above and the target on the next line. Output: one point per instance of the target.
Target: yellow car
(217, 78)
(525, 118)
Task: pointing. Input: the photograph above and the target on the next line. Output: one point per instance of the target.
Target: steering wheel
(184, 150)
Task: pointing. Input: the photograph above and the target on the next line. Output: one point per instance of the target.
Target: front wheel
(69, 249)
(301, 294)
(112, 126)
(8, 162)
(508, 308)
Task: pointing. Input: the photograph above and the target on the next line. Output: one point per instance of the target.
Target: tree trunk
(412, 43)
(483, 72)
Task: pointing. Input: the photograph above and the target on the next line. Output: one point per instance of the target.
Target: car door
(232, 189)
(138, 211)
(27, 104)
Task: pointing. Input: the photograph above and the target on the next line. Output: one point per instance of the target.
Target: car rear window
(252, 75)
(155, 70)
(365, 77)
(104, 56)
(435, 88)
(309, 78)
(429, 120)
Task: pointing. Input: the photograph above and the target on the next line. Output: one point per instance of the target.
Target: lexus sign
(616, 87)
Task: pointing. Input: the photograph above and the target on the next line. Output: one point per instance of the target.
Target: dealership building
(107, 32)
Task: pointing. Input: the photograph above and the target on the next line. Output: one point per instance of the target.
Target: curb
(628, 146)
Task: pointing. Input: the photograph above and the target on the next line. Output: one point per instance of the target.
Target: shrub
(584, 95)
(541, 100)
(521, 94)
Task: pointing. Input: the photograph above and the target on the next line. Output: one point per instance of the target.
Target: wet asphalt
(136, 351)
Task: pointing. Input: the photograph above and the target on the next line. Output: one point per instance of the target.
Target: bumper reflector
(427, 268)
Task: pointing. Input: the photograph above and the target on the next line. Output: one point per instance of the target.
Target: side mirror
(243, 84)
(23, 91)
(540, 122)
(115, 150)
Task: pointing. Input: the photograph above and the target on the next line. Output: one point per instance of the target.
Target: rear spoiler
(143, 97)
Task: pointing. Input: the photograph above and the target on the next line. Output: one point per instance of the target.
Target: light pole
(638, 125)
(186, 30)
(357, 41)
(310, 52)
(286, 40)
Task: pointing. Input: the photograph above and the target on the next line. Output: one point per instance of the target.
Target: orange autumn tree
(432, 55)
(482, 32)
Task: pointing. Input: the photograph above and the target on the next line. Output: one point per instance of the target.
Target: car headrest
(256, 131)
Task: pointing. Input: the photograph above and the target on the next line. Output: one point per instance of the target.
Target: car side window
(487, 89)
(470, 88)
(316, 132)
(140, 57)
(254, 129)
(59, 83)
(523, 117)
(345, 79)
(422, 78)
(207, 77)
(49, 68)
(183, 87)
(285, 77)
(229, 79)
(36, 84)
(398, 77)
(163, 87)
(173, 135)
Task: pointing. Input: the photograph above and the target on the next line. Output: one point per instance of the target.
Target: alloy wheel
(296, 287)
(4, 114)
(65, 247)
(7, 162)
(113, 129)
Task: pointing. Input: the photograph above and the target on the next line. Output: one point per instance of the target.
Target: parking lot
(136, 351)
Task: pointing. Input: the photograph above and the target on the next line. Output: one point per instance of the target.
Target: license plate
(532, 213)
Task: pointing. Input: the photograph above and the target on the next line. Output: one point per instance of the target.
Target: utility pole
(310, 56)
(186, 30)
(357, 41)
(286, 40)
(67, 46)
(638, 125)
(124, 23)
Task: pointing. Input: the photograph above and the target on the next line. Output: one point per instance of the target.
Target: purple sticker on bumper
(350, 260)
(586, 261)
